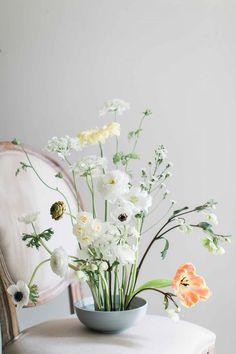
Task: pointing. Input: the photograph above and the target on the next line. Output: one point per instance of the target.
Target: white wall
(60, 60)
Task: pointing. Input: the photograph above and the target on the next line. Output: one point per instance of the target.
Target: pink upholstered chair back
(25, 194)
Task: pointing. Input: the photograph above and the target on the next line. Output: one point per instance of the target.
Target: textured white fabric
(153, 334)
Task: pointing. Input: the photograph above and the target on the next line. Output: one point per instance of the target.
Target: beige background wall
(59, 60)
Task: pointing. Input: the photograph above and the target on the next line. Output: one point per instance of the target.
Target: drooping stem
(36, 269)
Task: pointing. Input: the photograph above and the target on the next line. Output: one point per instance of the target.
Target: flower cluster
(116, 105)
(109, 256)
(99, 135)
(63, 146)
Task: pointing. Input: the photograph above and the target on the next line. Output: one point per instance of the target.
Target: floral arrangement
(108, 257)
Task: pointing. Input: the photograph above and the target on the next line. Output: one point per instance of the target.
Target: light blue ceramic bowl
(110, 321)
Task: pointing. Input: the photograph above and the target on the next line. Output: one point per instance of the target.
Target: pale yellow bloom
(99, 135)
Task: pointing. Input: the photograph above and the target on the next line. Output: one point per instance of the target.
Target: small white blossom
(161, 152)
(173, 315)
(184, 226)
(90, 165)
(63, 146)
(59, 262)
(113, 185)
(103, 266)
(29, 218)
(141, 200)
(115, 105)
(19, 293)
(213, 218)
(81, 275)
(125, 254)
(213, 247)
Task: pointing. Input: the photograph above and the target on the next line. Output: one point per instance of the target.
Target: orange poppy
(189, 286)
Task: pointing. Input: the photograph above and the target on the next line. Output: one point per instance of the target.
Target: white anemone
(19, 293)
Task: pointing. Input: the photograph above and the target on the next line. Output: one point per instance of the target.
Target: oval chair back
(21, 194)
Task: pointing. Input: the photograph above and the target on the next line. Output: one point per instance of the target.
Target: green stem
(36, 269)
(47, 185)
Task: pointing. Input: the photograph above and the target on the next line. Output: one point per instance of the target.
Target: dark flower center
(122, 217)
(18, 296)
(184, 281)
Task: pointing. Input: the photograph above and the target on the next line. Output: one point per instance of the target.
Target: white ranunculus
(140, 199)
(113, 185)
(63, 146)
(90, 165)
(87, 231)
(125, 254)
(59, 262)
(29, 218)
(19, 293)
(122, 213)
(116, 105)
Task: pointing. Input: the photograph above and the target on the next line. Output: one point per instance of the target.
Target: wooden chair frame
(8, 317)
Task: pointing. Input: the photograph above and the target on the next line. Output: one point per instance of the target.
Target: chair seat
(154, 334)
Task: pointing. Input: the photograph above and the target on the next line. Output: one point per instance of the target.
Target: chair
(23, 194)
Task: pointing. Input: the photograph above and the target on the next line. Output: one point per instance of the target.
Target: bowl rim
(90, 298)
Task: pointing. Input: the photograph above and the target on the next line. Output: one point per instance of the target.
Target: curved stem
(36, 269)
(47, 185)
(137, 292)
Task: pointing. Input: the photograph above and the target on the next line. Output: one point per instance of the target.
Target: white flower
(90, 165)
(103, 266)
(161, 152)
(125, 254)
(184, 226)
(213, 247)
(140, 199)
(19, 293)
(212, 218)
(59, 262)
(81, 275)
(173, 315)
(123, 213)
(63, 146)
(115, 105)
(113, 184)
(87, 229)
(29, 218)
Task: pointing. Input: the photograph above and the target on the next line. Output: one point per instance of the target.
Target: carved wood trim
(75, 290)
(8, 318)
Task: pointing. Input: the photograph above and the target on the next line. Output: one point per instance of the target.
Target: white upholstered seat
(153, 335)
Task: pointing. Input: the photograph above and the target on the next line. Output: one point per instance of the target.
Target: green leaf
(15, 142)
(154, 284)
(205, 226)
(33, 240)
(165, 249)
(178, 211)
(59, 175)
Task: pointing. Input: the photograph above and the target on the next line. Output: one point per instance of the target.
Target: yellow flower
(99, 135)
